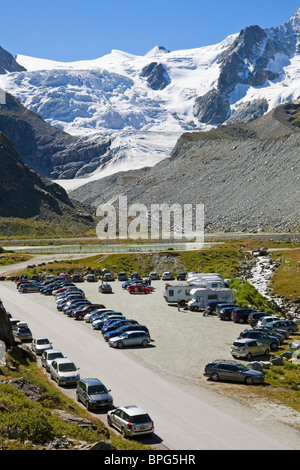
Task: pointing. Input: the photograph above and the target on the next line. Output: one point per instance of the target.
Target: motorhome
(209, 280)
(202, 296)
(177, 292)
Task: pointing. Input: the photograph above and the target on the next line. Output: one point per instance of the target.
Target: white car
(40, 344)
(48, 356)
(167, 276)
(64, 371)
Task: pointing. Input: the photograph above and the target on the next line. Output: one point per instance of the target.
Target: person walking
(178, 305)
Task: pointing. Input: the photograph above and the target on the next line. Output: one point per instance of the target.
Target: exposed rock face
(246, 175)
(48, 150)
(157, 76)
(246, 62)
(25, 194)
(8, 63)
(6, 334)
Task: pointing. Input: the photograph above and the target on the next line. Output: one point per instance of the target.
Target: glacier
(110, 97)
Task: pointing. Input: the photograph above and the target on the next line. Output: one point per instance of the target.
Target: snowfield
(110, 97)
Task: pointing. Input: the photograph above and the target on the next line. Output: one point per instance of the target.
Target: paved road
(183, 419)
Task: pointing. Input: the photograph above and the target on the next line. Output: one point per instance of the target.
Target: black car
(255, 316)
(240, 315)
(181, 276)
(225, 313)
(210, 309)
(232, 371)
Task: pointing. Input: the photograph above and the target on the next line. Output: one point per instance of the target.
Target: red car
(81, 312)
(139, 289)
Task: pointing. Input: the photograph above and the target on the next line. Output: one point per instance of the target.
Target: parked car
(93, 394)
(105, 289)
(288, 325)
(225, 313)
(181, 276)
(246, 347)
(272, 341)
(90, 317)
(64, 371)
(77, 278)
(167, 276)
(240, 315)
(29, 287)
(266, 320)
(39, 345)
(211, 307)
(98, 324)
(253, 317)
(232, 371)
(123, 329)
(48, 356)
(115, 324)
(280, 334)
(154, 276)
(82, 311)
(130, 421)
(130, 338)
(122, 276)
(91, 278)
(108, 277)
(22, 332)
(135, 275)
(139, 289)
(14, 322)
(222, 305)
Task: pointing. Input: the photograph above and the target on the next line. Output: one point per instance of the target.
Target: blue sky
(69, 30)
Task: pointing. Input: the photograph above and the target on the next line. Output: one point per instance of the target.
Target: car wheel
(80, 317)
(145, 343)
(215, 377)
(195, 309)
(267, 352)
(120, 345)
(123, 432)
(249, 355)
(274, 346)
(290, 332)
(109, 420)
(24, 291)
(249, 381)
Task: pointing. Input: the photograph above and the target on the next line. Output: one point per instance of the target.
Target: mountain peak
(157, 50)
(296, 15)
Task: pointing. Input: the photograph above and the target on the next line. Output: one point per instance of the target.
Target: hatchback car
(167, 276)
(266, 320)
(130, 421)
(240, 315)
(39, 345)
(105, 289)
(22, 332)
(232, 371)
(154, 276)
(288, 325)
(130, 338)
(98, 324)
(93, 394)
(139, 289)
(246, 347)
(255, 316)
(64, 371)
(48, 356)
(123, 329)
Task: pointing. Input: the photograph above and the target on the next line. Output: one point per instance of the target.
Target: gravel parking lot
(184, 341)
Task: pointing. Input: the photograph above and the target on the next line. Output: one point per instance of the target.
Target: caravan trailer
(178, 292)
(202, 296)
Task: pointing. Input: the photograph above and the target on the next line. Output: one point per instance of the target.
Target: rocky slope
(24, 194)
(246, 175)
(48, 150)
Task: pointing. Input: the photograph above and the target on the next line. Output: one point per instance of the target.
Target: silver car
(40, 344)
(130, 421)
(28, 287)
(130, 338)
(48, 356)
(246, 347)
(64, 372)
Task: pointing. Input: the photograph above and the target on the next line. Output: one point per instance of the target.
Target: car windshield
(97, 389)
(140, 418)
(67, 367)
(42, 341)
(52, 356)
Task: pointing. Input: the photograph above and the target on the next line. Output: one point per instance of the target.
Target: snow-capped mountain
(144, 103)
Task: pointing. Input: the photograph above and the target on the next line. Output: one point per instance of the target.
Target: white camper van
(201, 297)
(178, 292)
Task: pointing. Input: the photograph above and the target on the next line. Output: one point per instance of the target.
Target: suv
(93, 394)
(232, 371)
(224, 313)
(130, 421)
(240, 315)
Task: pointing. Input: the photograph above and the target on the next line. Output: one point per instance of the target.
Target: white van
(201, 297)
